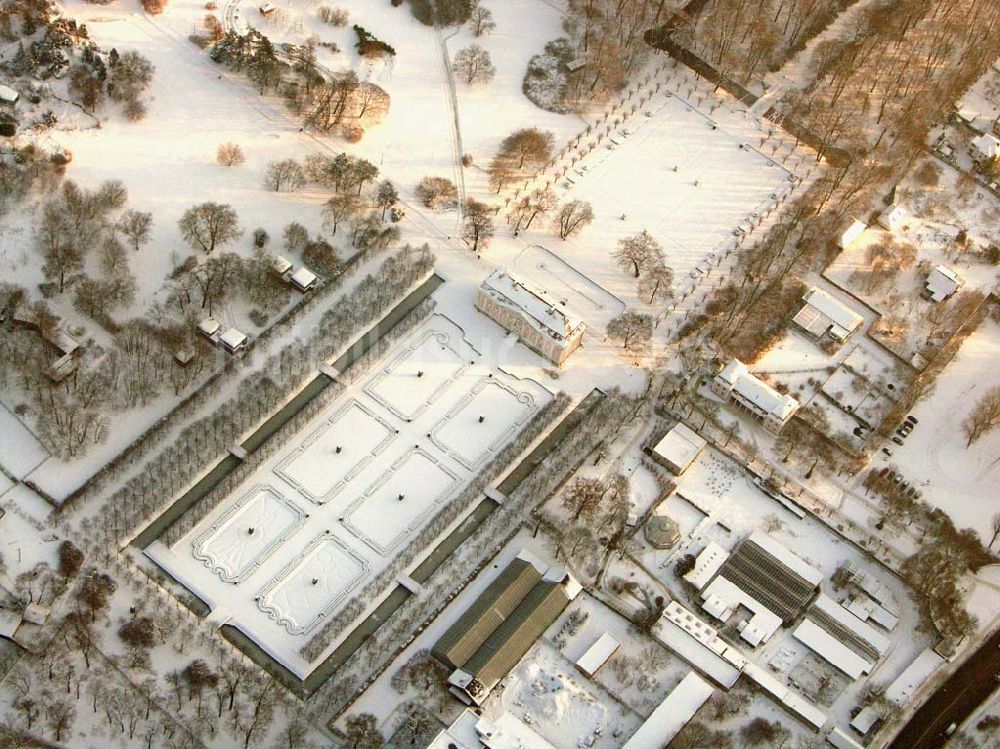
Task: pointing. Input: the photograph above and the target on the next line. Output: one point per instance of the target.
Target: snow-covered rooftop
(892, 217)
(913, 676)
(832, 315)
(233, 338)
(706, 564)
(757, 392)
(209, 326)
(855, 230)
(281, 265)
(680, 446)
(941, 283)
(535, 303)
(987, 145)
(673, 713)
(722, 597)
(598, 653)
(831, 649)
(788, 558)
(303, 278)
(471, 731)
(841, 740)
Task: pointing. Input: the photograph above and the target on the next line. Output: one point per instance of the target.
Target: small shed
(36, 613)
(865, 720)
(892, 217)
(941, 283)
(233, 340)
(598, 654)
(986, 146)
(281, 266)
(267, 8)
(854, 231)
(62, 367)
(303, 279)
(184, 356)
(678, 448)
(841, 740)
(209, 327)
(8, 96)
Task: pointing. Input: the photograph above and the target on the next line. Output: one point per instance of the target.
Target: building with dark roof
(501, 625)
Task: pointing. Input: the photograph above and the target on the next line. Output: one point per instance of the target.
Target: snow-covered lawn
(962, 481)
(250, 530)
(20, 450)
(400, 500)
(311, 586)
(546, 692)
(482, 422)
(417, 377)
(699, 181)
(323, 522)
(332, 455)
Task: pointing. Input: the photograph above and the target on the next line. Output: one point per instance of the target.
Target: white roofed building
(824, 315)
(667, 720)
(303, 279)
(209, 327)
(941, 283)
(281, 266)
(841, 638)
(534, 315)
(761, 576)
(855, 230)
(233, 340)
(986, 146)
(678, 448)
(736, 383)
(892, 217)
(472, 731)
(598, 654)
(8, 95)
(900, 691)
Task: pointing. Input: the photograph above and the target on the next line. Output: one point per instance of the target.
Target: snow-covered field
(22, 451)
(960, 480)
(334, 507)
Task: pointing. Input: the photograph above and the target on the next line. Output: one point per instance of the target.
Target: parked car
(912, 419)
(902, 432)
(887, 452)
(898, 440)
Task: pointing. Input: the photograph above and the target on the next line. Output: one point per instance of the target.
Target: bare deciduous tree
(529, 147)
(209, 225)
(286, 174)
(136, 226)
(478, 227)
(572, 217)
(229, 154)
(482, 21)
(583, 498)
(639, 252)
(632, 329)
(984, 417)
(338, 209)
(473, 65)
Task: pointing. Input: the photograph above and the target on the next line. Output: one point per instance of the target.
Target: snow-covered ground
(960, 480)
(334, 507)
(21, 451)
